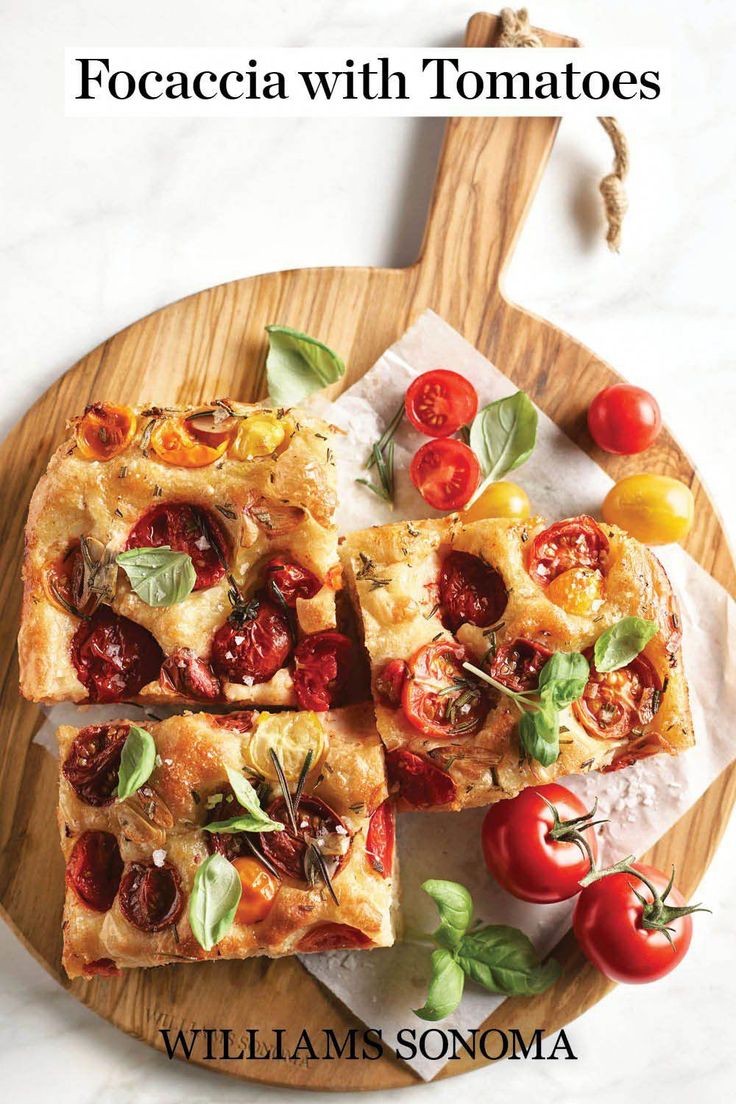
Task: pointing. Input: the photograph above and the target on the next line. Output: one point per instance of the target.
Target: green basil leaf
(502, 436)
(255, 819)
(445, 988)
(504, 960)
(137, 761)
(159, 576)
(563, 678)
(297, 365)
(621, 643)
(539, 732)
(214, 900)
(455, 907)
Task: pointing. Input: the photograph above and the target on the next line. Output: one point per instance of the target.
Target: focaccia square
(247, 493)
(505, 595)
(131, 864)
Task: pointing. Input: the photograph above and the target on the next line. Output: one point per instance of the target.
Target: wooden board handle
(488, 173)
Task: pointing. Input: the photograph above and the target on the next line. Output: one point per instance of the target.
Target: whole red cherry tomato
(629, 941)
(529, 847)
(445, 472)
(252, 645)
(439, 402)
(624, 419)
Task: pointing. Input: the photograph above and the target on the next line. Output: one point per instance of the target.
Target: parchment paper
(643, 801)
(382, 987)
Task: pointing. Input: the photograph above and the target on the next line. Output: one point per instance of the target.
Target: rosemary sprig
(315, 856)
(302, 779)
(290, 810)
(382, 458)
(387, 435)
(287, 610)
(259, 854)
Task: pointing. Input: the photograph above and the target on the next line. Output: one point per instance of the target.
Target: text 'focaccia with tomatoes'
(506, 653)
(185, 555)
(205, 837)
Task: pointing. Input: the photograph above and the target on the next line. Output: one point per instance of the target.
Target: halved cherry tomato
(289, 580)
(185, 528)
(517, 664)
(655, 509)
(258, 890)
(184, 672)
(322, 664)
(439, 402)
(438, 697)
(574, 542)
(261, 434)
(104, 431)
(94, 869)
(609, 926)
(333, 937)
(212, 426)
(174, 442)
(379, 841)
(614, 703)
(389, 682)
(580, 591)
(471, 591)
(446, 473)
(251, 647)
(92, 765)
(291, 737)
(522, 854)
(151, 897)
(315, 820)
(499, 500)
(114, 657)
(624, 419)
(418, 781)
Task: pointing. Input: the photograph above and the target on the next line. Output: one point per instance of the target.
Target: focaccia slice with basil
(179, 842)
(506, 596)
(183, 556)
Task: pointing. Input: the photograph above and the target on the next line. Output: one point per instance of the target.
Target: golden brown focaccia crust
(277, 504)
(162, 823)
(393, 575)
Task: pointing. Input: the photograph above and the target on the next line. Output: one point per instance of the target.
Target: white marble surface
(104, 221)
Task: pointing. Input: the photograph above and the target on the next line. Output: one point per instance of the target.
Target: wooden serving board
(212, 344)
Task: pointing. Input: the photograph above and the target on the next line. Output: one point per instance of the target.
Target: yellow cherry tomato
(260, 435)
(173, 442)
(291, 736)
(655, 509)
(259, 889)
(578, 591)
(104, 431)
(499, 500)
